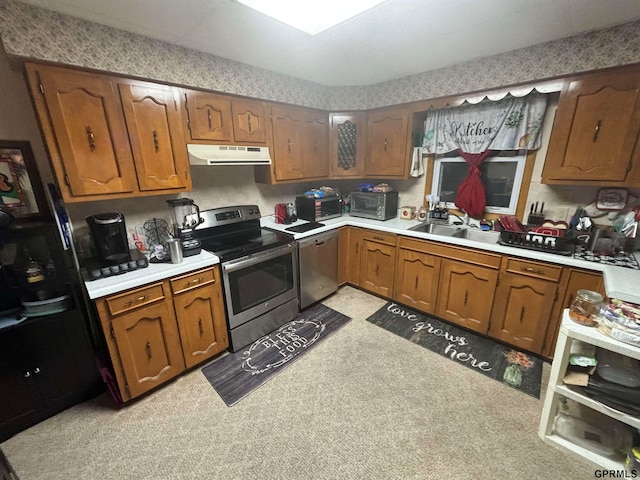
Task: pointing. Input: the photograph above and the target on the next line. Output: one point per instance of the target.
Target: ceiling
(393, 40)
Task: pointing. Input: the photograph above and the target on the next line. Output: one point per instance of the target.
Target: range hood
(227, 155)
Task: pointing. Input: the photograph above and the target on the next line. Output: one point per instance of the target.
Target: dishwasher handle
(317, 240)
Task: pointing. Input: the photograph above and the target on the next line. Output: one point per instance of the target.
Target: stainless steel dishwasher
(318, 257)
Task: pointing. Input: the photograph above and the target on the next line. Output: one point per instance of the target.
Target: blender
(185, 215)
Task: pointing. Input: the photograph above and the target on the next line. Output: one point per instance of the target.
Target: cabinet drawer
(534, 269)
(118, 304)
(388, 238)
(192, 280)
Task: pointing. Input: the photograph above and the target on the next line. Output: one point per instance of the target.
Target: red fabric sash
(471, 196)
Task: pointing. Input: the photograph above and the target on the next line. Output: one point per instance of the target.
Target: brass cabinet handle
(357, 248)
(385, 144)
(416, 285)
(194, 281)
(289, 144)
(249, 122)
(376, 271)
(466, 297)
(137, 300)
(90, 137)
(533, 270)
(200, 327)
(156, 143)
(597, 130)
(522, 314)
(209, 118)
(148, 348)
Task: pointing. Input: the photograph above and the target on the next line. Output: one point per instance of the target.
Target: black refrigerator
(47, 348)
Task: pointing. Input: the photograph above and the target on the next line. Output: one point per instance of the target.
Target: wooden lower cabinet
(416, 282)
(377, 263)
(156, 331)
(577, 280)
(354, 248)
(201, 317)
(466, 294)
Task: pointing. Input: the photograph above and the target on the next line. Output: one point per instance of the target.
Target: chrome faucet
(464, 220)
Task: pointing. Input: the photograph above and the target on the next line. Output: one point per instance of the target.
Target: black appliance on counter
(185, 215)
(109, 235)
(259, 271)
(317, 209)
(47, 360)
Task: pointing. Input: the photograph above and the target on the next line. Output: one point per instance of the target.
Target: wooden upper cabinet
(315, 145)
(109, 137)
(387, 140)
(595, 133)
(85, 131)
(288, 124)
(346, 144)
(209, 116)
(249, 121)
(154, 122)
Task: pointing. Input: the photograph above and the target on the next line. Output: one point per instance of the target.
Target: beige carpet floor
(364, 404)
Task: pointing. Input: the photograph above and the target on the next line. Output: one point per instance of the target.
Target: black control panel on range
(218, 217)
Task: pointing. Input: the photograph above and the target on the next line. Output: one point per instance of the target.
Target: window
(501, 174)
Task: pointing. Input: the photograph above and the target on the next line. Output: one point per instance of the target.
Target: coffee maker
(109, 234)
(185, 215)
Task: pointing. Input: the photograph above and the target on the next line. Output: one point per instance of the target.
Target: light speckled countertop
(619, 282)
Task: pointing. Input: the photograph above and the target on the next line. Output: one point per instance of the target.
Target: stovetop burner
(623, 259)
(233, 232)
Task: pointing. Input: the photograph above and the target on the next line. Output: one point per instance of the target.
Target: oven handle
(255, 258)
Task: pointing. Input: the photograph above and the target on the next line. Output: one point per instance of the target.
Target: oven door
(260, 282)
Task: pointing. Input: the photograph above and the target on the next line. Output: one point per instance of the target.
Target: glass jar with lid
(585, 307)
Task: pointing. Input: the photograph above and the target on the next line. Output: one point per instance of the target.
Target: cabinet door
(154, 122)
(596, 129)
(201, 319)
(377, 268)
(85, 131)
(577, 280)
(466, 294)
(416, 282)
(287, 133)
(346, 144)
(209, 116)
(249, 121)
(521, 311)
(354, 251)
(315, 146)
(149, 347)
(19, 400)
(387, 144)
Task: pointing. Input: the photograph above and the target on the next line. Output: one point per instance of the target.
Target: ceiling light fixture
(311, 17)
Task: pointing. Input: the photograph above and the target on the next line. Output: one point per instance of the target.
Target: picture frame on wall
(21, 191)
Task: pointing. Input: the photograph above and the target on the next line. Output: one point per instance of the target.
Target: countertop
(153, 273)
(619, 282)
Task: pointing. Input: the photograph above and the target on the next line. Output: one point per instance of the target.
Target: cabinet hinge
(126, 387)
(113, 334)
(66, 179)
(41, 87)
(497, 281)
(629, 165)
(555, 298)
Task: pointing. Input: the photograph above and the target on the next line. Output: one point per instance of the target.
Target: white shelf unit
(569, 331)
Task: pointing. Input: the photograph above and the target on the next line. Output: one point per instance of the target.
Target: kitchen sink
(439, 229)
(474, 234)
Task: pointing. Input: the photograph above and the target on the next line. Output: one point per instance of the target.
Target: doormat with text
(236, 375)
(519, 370)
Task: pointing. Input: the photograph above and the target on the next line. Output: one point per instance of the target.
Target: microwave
(376, 205)
(316, 209)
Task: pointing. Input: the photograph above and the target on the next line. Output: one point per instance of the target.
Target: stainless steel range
(259, 271)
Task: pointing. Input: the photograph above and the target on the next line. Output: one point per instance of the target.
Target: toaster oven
(376, 205)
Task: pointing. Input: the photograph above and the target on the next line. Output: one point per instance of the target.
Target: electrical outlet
(562, 214)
